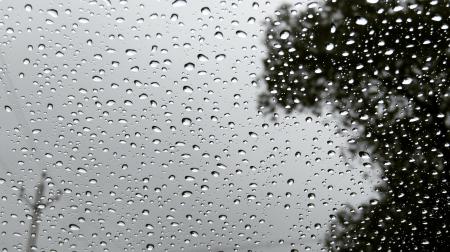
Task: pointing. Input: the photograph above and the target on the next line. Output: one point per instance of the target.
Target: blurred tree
(383, 66)
(37, 207)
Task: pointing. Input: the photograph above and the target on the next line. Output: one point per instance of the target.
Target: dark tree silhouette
(383, 66)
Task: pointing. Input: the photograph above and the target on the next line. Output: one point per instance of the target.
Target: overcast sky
(144, 113)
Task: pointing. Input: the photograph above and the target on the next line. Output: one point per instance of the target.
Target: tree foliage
(383, 66)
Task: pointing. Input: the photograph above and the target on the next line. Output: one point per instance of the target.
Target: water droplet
(202, 58)
(205, 11)
(186, 194)
(74, 227)
(253, 134)
(188, 89)
(189, 66)
(285, 34)
(364, 155)
(218, 35)
(407, 81)
(241, 34)
(179, 3)
(329, 47)
(361, 21)
(220, 57)
(221, 166)
(52, 13)
(154, 63)
(97, 78)
(83, 20)
(130, 52)
(186, 121)
(28, 7)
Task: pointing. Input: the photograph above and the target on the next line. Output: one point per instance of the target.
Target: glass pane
(182, 125)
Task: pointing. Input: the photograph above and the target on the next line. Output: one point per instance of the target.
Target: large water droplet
(186, 194)
(241, 34)
(361, 21)
(74, 227)
(285, 34)
(53, 13)
(179, 3)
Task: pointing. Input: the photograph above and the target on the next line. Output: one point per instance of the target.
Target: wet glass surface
(186, 125)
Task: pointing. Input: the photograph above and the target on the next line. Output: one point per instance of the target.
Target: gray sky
(144, 113)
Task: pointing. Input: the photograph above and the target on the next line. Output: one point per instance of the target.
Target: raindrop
(83, 20)
(74, 227)
(285, 34)
(241, 34)
(202, 58)
(186, 121)
(407, 81)
(130, 52)
(205, 11)
(218, 35)
(28, 7)
(154, 63)
(186, 194)
(361, 21)
(188, 89)
(179, 3)
(189, 66)
(221, 166)
(220, 57)
(97, 78)
(53, 13)
(364, 155)
(329, 47)
(253, 134)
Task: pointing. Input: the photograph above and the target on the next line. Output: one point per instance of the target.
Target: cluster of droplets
(148, 125)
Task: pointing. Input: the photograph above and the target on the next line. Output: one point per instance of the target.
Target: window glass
(182, 125)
